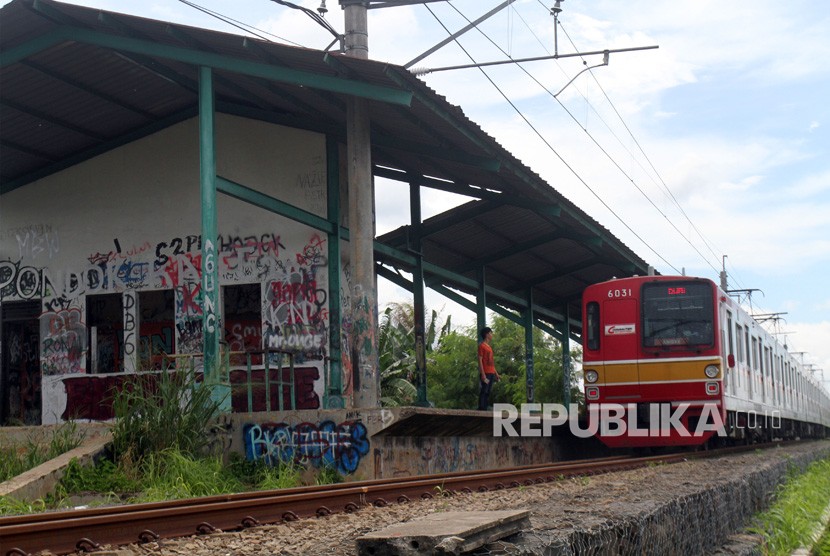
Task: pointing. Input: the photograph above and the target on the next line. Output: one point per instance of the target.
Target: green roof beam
(236, 65)
(261, 200)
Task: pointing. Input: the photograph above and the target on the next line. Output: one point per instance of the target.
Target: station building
(107, 121)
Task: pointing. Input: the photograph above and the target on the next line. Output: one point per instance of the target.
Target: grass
(159, 411)
(162, 451)
(19, 458)
(796, 510)
(822, 547)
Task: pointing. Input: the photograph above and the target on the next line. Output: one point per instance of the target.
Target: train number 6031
(620, 293)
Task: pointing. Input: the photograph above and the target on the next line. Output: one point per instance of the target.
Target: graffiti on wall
(294, 311)
(19, 281)
(36, 241)
(63, 341)
(341, 446)
(294, 301)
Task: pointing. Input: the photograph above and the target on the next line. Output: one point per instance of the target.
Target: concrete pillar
(361, 223)
(418, 296)
(566, 357)
(529, 378)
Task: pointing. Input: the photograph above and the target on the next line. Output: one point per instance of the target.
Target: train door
(620, 337)
(20, 399)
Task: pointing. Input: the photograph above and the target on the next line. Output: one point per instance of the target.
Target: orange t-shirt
(485, 354)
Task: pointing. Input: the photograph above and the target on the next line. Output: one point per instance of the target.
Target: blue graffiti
(327, 444)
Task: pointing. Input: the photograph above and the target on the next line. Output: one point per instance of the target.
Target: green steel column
(210, 270)
(334, 387)
(481, 302)
(528, 324)
(566, 357)
(418, 295)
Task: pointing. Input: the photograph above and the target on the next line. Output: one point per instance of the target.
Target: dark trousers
(484, 393)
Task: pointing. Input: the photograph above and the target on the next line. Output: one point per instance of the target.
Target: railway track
(68, 531)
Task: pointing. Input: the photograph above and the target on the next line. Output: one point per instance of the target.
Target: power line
(236, 23)
(642, 151)
(545, 141)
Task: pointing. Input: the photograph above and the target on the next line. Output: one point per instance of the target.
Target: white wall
(129, 221)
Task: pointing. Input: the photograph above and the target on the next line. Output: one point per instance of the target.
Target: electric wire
(238, 24)
(668, 190)
(542, 138)
(708, 243)
(318, 18)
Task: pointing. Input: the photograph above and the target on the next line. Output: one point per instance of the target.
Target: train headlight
(591, 376)
(711, 371)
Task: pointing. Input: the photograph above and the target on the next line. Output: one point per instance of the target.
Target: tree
(396, 352)
(453, 375)
(452, 365)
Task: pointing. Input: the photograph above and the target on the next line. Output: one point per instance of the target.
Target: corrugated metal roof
(67, 93)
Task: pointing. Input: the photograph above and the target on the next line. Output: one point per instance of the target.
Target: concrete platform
(443, 533)
(38, 482)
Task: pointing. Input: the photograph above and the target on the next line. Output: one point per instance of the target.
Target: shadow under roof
(76, 82)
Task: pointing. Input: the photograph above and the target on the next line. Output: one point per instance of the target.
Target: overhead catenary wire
(238, 24)
(662, 182)
(544, 140)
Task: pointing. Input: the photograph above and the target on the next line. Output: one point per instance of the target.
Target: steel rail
(87, 529)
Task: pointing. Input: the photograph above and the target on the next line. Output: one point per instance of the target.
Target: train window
(754, 353)
(678, 314)
(740, 342)
(729, 333)
(592, 324)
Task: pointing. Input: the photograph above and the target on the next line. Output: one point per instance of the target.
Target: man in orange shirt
(486, 368)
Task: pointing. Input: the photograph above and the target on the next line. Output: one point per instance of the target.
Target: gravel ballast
(685, 508)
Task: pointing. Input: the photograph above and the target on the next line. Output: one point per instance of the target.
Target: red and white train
(676, 346)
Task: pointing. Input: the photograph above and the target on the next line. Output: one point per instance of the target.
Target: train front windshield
(678, 315)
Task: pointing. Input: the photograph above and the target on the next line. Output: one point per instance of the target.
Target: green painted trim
(334, 384)
(220, 62)
(528, 326)
(211, 312)
(545, 327)
(261, 200)
(419, 303)
(453, 296)
(566, 357)
(30, 48)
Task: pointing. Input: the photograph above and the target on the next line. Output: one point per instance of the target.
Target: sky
(716, 144)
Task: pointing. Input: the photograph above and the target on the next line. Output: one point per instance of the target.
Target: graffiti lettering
(63, 344)
(326, 444)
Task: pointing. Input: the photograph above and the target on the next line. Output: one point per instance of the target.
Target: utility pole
(364, 347)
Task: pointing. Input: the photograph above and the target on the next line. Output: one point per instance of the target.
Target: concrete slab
(443, 533)
(41, 480)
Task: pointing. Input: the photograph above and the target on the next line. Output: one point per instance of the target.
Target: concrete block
(443, 533)
(41, 480)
